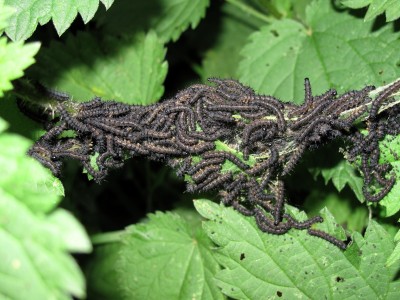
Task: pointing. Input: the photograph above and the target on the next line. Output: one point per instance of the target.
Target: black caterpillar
(271, 135)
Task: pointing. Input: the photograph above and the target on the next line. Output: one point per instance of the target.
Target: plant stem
(106, 238)
(251, 11)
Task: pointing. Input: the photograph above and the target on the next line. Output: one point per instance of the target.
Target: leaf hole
(339, 279)
(274, 33)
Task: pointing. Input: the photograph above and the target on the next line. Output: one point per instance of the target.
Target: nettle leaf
(391, 8)
(344, 210)
(390, 149)
(257, 265)
(279, 56)
(101, 273)
(166, 258)
(233, 33)
(5, 13)
(35, 262)
(24, 178)
(14, 57)
(72, 232)
(3, 125)
(30, 13)
(169, 18)
(341, 174)
(129, 70)
(395, 256)
(391, 201)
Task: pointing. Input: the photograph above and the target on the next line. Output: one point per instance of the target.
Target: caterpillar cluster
(263, 139)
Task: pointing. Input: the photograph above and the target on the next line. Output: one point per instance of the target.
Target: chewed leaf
(259, 265)
(281, 55)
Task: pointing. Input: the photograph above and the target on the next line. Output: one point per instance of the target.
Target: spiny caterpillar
(203, 128)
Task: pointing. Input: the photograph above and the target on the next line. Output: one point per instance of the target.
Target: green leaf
(24, 178)
(353, 216)
(166, 258)
(229, 166)
(3, 125)
(5, 13)
(35, 263)
(30, 13)
(281, 55)
(394, 256)
(330, 225)
(169, 18)
(233, 32)
(391, 201)
(129, 70)
(390, 147)
(102, 276)
(376, 7)
(356, 3)
(73, 233)
(14, 57)
(341, 174)
(258, 265)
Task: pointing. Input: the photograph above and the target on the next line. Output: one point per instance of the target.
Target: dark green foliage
(139, 52)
